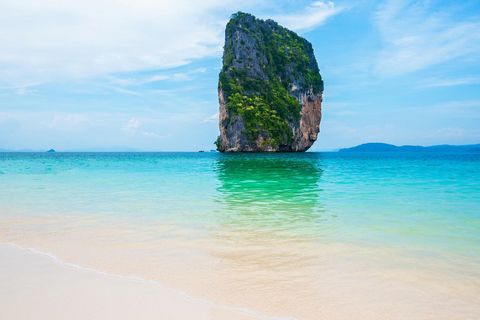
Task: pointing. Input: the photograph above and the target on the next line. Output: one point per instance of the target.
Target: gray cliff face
(270, 89)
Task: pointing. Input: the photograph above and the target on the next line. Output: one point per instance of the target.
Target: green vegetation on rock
(261, 61)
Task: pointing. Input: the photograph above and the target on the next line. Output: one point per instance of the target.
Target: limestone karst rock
(270, 89)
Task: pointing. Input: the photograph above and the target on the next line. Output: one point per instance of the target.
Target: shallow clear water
(238, 228)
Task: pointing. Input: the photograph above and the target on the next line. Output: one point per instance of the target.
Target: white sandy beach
(34, 286)
(341, 286)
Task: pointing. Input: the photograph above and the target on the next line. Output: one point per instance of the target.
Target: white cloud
(156, 78)
(23, 88)
(130, 92)
(212, 118)
(163, 77)
(176, 76)
(48, 40)
(179, 77)
(418, 36)
(23, 91)
(131, 126)
(121, 81)
(430, 83)
(316, 14)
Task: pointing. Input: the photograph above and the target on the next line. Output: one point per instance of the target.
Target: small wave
(152, 282)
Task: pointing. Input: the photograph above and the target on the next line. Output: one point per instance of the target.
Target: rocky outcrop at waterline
(270, 89)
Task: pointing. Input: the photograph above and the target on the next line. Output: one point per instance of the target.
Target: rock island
(270, 89)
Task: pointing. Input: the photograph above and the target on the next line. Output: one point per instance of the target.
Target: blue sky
(143, 74)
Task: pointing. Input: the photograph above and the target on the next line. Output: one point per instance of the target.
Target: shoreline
(388, 298)
(54, 289)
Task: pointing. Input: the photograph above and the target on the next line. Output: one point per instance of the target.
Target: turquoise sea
(307, 236)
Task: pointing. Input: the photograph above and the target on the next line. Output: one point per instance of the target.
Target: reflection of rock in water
(267, 231)
(270, 190)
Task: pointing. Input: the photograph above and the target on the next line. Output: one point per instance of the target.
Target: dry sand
(34, 286)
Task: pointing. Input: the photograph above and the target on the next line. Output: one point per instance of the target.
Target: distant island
(270, 89)
(384, 147)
